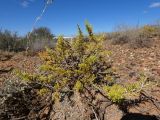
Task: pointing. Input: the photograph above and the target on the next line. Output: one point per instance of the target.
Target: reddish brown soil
(18, 61)
(129, 62)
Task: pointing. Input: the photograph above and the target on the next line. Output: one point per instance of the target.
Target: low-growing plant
(119, 38)
(157, 27)
(149, 30)
(117, 93)
(73, 65)
(76, 66)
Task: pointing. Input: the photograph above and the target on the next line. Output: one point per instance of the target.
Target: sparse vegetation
(8, 40)
(79, 76)
(73, 65)
(40, 38)
(135, 37)
(37, 40)
(81, 68)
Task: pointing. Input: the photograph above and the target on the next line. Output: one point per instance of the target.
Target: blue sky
(63, 15)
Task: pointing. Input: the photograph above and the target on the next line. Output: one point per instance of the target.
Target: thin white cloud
(155, 5)
(26, 3)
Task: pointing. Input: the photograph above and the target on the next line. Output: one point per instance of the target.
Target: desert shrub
(115, 93)
(149, 30)
(73, 65)
(141, 41)
(143, 38)
(135, 37)
(8, 40)
(119, 38)
(21, 44)
(76, 66)
(123, 34)
(39, 38)
(157, 27)
(11, 42)
(121, 92)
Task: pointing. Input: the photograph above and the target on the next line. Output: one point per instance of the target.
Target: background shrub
(135, 37)
(34, 41)
(39, 38)
(8, 40)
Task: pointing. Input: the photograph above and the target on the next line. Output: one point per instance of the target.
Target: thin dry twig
(95, 114)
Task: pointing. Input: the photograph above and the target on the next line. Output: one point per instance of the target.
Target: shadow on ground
(136, 116)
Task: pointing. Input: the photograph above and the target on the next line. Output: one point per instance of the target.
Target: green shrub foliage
(73, 66)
